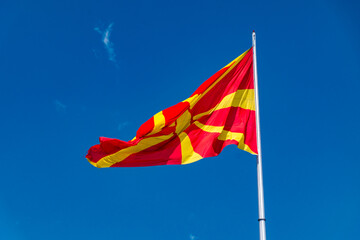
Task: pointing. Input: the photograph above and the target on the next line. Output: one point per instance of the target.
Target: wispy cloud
(109, 46)
(192, 237)
(60, 107)
(122, 125)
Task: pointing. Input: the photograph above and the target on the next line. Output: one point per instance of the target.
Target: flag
(219, 113)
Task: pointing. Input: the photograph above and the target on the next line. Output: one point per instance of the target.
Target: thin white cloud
(60, 107)
(192, 237)
(109, 46)
(122, 125)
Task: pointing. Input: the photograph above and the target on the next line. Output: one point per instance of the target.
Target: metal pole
(261, 219)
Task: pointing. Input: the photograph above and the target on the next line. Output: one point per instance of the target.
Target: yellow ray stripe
(183, 122)
(239, 137)
(226, 135)
(244, 98)
(92, 163)
(230, 63)
(208, 128)
(191, 99)
(233, 64)
(124, 153)
(187, 151)
(159, 123)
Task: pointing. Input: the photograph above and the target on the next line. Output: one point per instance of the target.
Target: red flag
(219, 113)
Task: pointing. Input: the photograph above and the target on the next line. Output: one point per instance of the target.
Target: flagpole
(261, 219)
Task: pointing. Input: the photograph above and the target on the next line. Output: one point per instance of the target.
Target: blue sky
(72, 71)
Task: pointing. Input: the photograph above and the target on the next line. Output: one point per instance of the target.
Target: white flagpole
(261, 219)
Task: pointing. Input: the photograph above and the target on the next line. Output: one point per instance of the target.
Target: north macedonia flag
(219, 113)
